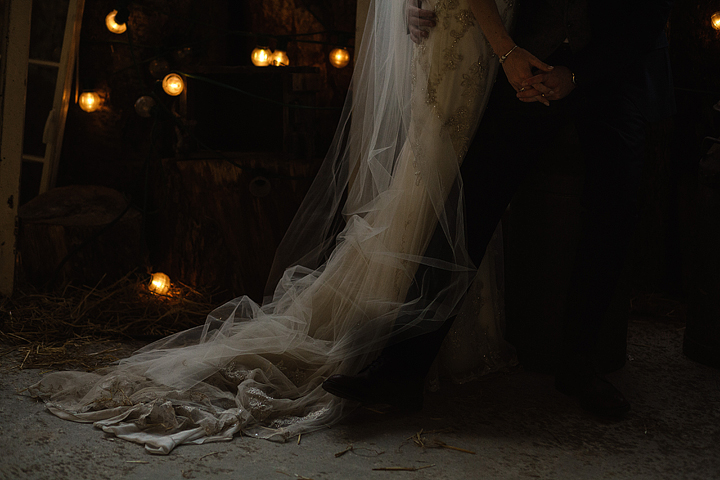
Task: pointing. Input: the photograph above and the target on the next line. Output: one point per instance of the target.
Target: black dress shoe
(380, 383)
(595, 394)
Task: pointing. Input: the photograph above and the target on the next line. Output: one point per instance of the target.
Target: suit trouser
(510, 139)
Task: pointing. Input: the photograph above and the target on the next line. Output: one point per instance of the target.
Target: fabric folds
(356, 257)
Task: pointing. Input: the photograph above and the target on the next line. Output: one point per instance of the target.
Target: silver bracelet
(504, 57)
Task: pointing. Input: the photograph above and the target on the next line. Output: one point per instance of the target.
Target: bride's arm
(517, 62)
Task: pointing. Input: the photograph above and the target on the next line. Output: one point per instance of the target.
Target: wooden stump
(65, 220)
(220, 223)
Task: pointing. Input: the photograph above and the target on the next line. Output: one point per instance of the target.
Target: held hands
(519, 67)
(419, 20)
(542, 85)
(553, 85)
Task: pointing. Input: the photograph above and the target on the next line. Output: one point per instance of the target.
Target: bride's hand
(419, 20)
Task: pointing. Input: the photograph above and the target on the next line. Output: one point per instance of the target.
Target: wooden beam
(14, 70)
(63, 86)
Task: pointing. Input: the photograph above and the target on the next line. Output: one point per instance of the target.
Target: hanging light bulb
(159, 67)
(159, 283)
(279, 58)
(261, 56)
(715, 20)
(89, 101)
(112, 25)
(339, 57)
(173, 84)
(144, 106)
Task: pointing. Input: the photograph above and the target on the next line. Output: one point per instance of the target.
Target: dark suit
(618, 52)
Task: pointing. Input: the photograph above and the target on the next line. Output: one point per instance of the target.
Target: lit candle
(261, 56)
(339, 57)
(89, 101)
(112, 25)
(173, 84)
(159, 283)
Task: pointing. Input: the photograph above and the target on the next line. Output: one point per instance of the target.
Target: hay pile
(89, 327)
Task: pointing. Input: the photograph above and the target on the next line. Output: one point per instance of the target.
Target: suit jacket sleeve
(622, 33)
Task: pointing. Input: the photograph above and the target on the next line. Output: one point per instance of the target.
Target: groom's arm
(621, 34)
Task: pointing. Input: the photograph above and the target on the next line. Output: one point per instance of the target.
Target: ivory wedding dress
(391, 177)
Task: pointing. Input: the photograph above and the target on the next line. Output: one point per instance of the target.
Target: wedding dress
(345, 270)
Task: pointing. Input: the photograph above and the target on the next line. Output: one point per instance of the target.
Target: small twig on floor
(299, 437)
(340, 454)
(207, 455)
(107, 350)
(403, 469)
(418, 439)
(26, 356)
(441, 444)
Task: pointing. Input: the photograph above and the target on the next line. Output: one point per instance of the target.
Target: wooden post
(16, 46)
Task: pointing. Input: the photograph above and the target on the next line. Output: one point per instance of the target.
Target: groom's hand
(419, 20)
(553, 85)
(518, 67)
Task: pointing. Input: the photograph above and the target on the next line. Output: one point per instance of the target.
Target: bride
(355, 257)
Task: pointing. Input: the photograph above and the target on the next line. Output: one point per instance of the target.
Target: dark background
(142, 157)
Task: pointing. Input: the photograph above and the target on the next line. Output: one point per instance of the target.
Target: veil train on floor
(349, 264)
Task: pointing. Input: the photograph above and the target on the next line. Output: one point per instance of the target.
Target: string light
(112, 25)
(159, 67)
(715, 20)
(279, 58)
(339, 57)
(144, 106)
(159, 283)
(89, 101)
(261, 56)
(173, 84)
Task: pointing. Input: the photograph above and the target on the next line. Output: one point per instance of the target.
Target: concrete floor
(517, 425)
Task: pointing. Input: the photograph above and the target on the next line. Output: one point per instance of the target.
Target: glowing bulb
(112, 25)
(279, 58)
(159, 283)
(173, 84)
(261, 56)
(339, 57)
(715, 20)
(89, 101)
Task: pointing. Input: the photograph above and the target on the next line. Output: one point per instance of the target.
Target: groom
(611, 77)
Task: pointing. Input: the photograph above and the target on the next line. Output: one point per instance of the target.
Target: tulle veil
(379, 236)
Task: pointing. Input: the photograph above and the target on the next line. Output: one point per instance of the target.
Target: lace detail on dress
(456, 120)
